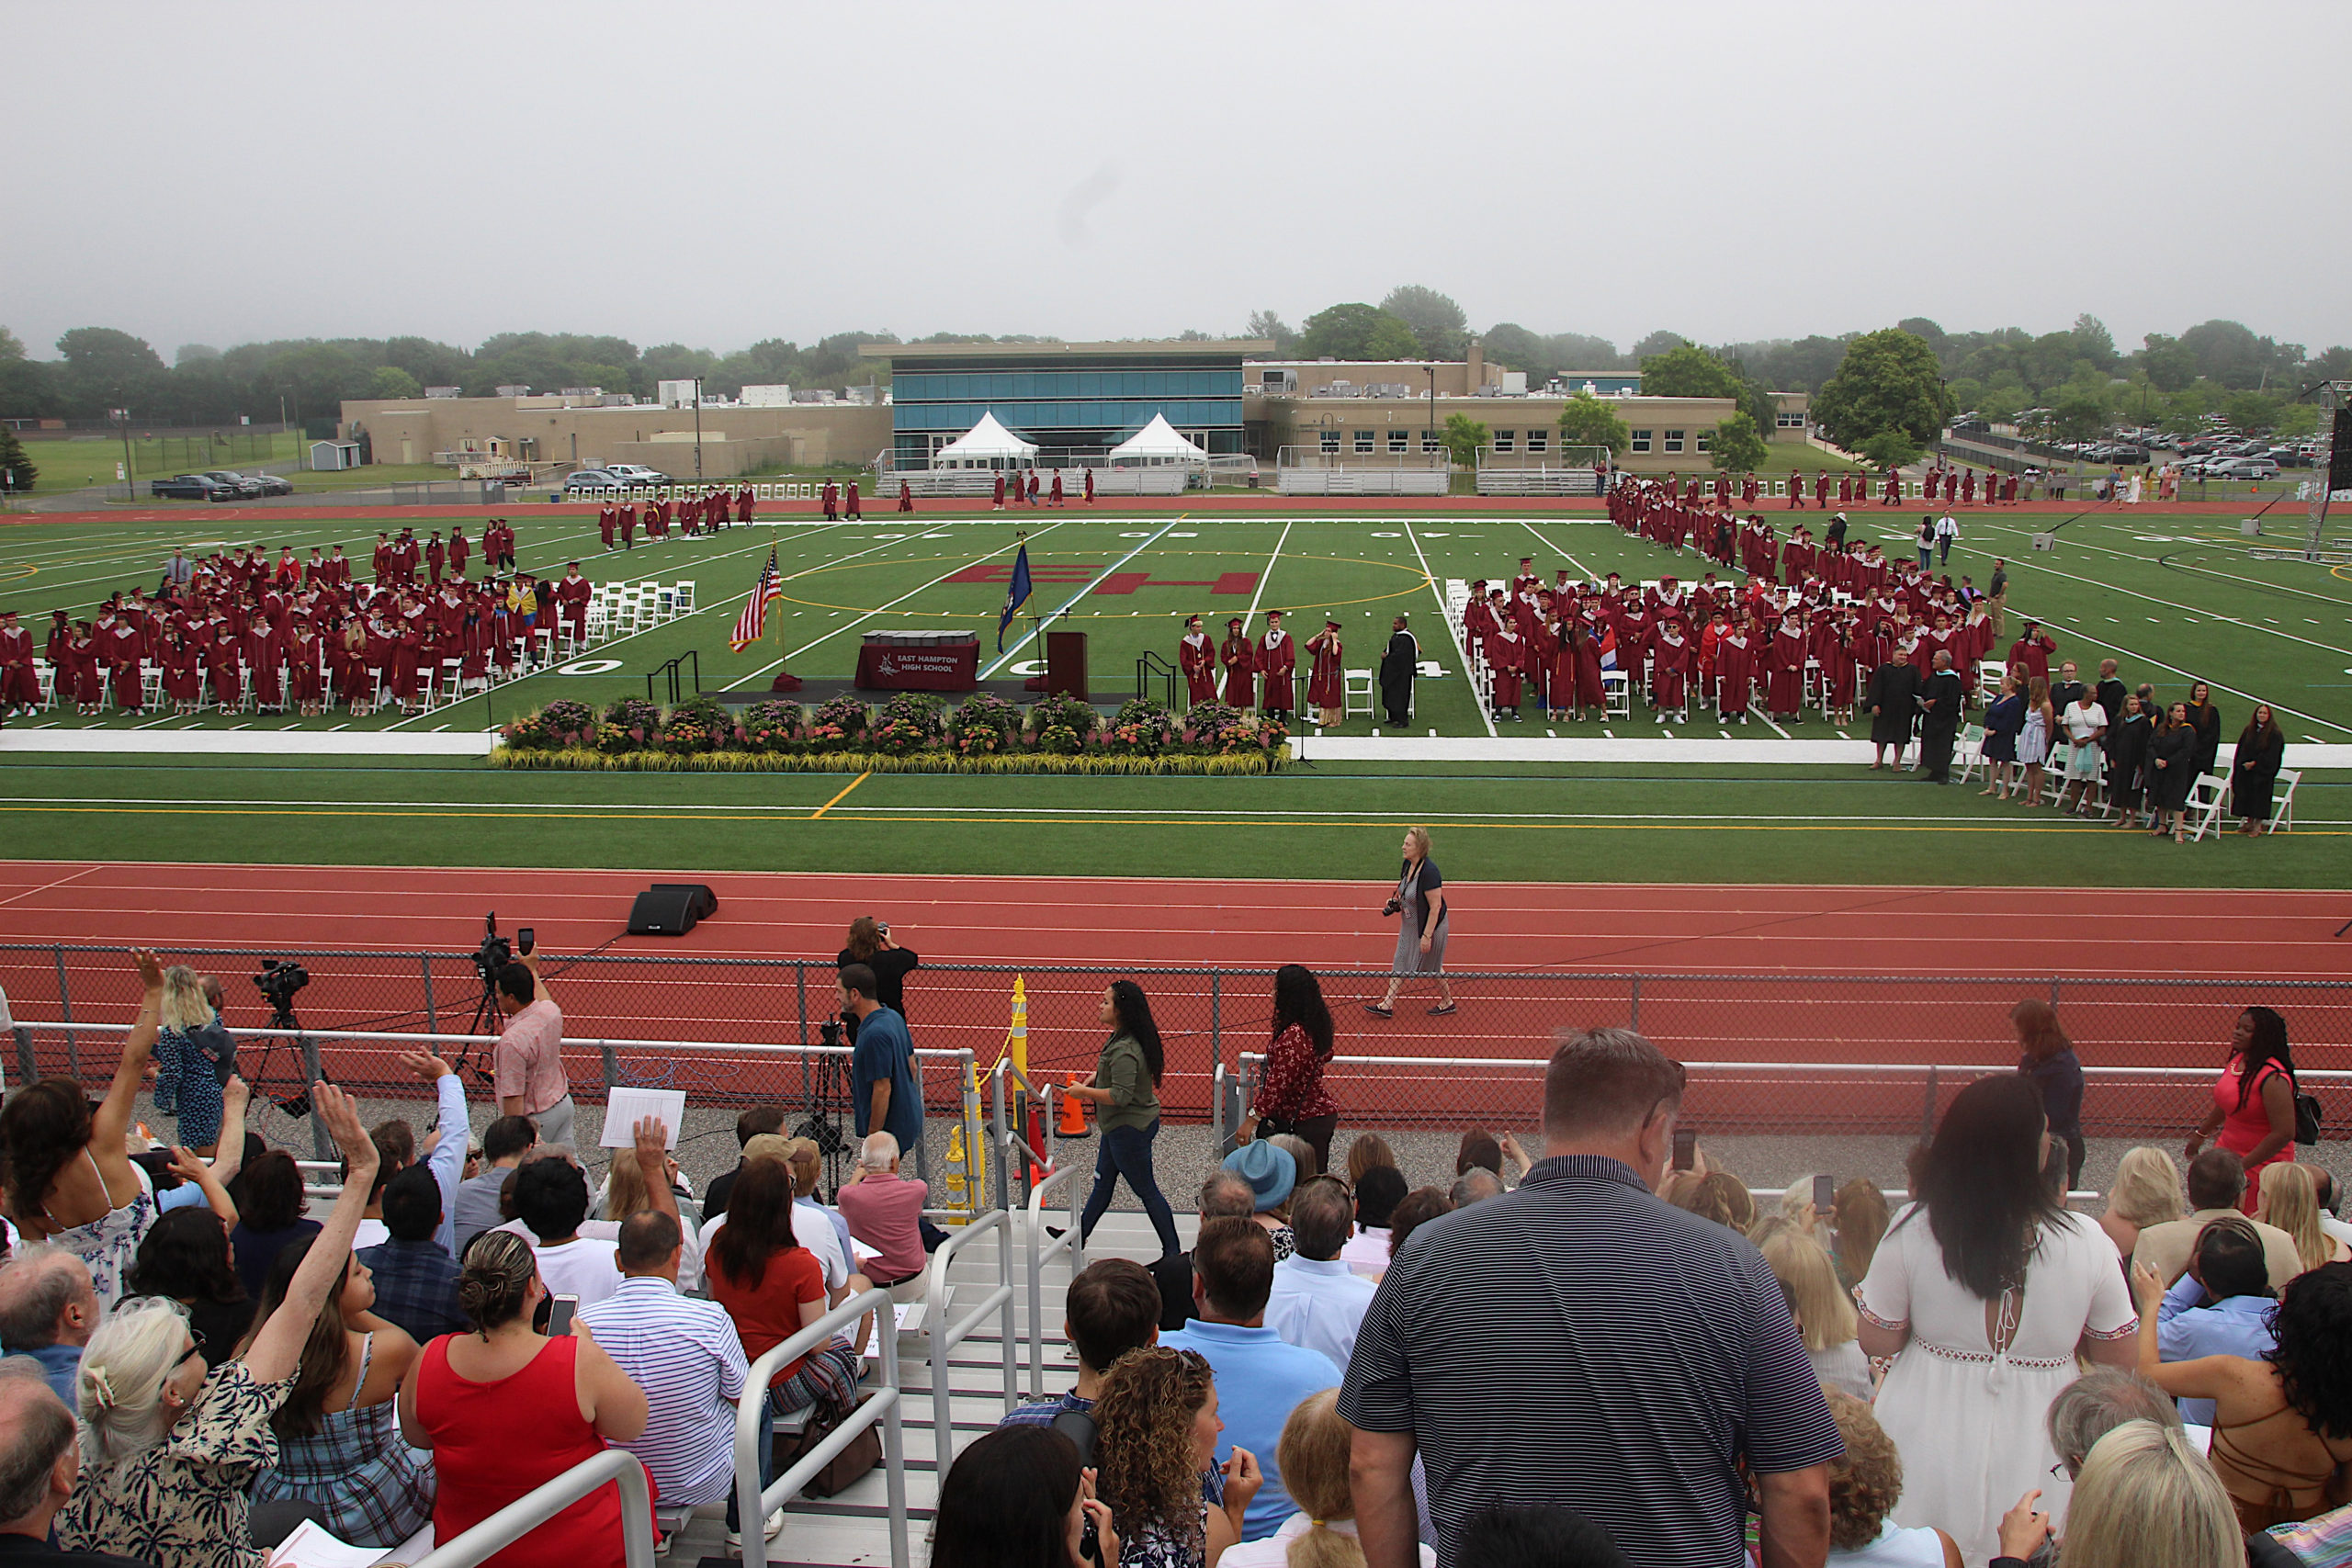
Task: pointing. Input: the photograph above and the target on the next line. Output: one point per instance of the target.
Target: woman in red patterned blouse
(1290, 1095)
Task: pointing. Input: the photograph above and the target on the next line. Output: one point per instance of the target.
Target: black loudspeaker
(671, 908)
(2340, 462)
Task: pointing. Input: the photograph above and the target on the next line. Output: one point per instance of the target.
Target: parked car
(2128, 456)
(237, 482)
(2242, 469)
(272, 484)
(632, 473)
(591, 481)
(190, 487)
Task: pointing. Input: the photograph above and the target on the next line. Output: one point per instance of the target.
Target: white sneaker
(774, 1527)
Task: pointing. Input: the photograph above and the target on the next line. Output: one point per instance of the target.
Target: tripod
(824, 1089)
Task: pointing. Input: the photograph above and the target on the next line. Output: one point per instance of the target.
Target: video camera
(495, 953)
(280, 979)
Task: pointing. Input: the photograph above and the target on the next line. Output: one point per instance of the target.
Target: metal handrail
(1039, 1255)
(2309, 1075)
(580, 1042)
(945, 1337)
(544, 1502)
(752, 1505)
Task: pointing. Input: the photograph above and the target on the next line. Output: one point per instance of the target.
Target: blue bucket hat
(1269, 1171)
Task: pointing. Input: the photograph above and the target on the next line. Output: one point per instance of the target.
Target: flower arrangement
(1140, 729)
(768, 727)
(571, 723)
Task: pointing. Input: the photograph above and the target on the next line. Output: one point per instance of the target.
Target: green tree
(1888, 380)
(1269, 325)
(2296, 420)
(2094, 341)
(1657, 342)
(1357, 332)
(1738, 447)
(1891, 450)
(1686, 370)
(2076, 415)
(15, 466)
(11, 346)
(1463, 437)
(2251, 411)
(391, 381)
(2170, 364)
(1438, 324)
(2332, 365)
(104, 368)
(1586, 421)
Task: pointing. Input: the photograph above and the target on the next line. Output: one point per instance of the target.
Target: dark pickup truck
(190, 487)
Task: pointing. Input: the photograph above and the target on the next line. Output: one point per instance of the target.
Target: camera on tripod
(495, 953)
(278, 980)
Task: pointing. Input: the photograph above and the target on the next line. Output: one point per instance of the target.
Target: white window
(1789, 421)
(1330, 440)
(1641, 440)
(1429, 442)
(1706, 436)
(1536, 440)
(1674, 441)
(1364, 440)
(1503, 439)
(1398, 440)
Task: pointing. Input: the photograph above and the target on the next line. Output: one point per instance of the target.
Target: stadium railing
(543, 1503)
(1836, 1051)
(878, 1405)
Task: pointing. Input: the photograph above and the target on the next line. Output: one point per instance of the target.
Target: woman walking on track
(1420, 941)
(1290, 1095)
(2253, 1099)
(1126, 1087)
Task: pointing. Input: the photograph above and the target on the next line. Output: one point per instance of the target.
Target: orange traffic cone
(1073, 1117)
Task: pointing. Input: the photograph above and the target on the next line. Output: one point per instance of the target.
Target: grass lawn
(83, 461)
(1586, 823)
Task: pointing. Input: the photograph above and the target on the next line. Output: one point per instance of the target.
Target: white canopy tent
(1159, 442)
(984, 445)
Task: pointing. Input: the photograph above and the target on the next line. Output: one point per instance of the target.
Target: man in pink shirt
(528, 1058)
(884, 1211)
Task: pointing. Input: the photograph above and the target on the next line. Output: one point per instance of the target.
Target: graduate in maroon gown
(1197, 659)
(628, 528)
(1671, 671)
(1033, 487)
(1000, 491)
(261, 653)
(1734, 673)
(744, 501)
(1327, 683)
(1241, 660)
(1796, 492)
(906, 496)
(225, 668)
(1278, 662)
(850, 501)
(1090, 487)
(1785, 688)
(1506, 662)
(1056, 497)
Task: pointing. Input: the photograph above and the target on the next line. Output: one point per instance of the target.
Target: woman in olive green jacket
(1125, 1087)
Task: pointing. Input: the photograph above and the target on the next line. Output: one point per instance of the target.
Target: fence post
(321, 1144)
(1635, 1021)
(432, 1017)
(28, 1070)
(1927, 1112)
(1216, 1015)
(800, 984)
(2054, 993)
(65, 1011)
(612, 1070)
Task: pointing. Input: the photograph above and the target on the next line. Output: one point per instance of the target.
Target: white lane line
(1452, 635)
(1264, 578)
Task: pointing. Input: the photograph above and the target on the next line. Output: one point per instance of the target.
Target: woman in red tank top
(505, 1409)
(2253, 1099)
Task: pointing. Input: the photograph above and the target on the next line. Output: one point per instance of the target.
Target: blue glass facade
(1086, 402)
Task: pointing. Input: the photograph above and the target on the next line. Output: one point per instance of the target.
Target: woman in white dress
(2033, 738)
(1983, 1291)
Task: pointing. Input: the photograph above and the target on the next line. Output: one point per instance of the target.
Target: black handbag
(2307, 1118)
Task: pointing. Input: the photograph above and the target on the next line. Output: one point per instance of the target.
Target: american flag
(753, 621)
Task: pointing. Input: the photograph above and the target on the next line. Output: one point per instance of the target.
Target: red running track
(1742, 928)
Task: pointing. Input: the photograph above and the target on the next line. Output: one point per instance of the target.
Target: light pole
(697, 430)
(1430, 440)
(130, 480)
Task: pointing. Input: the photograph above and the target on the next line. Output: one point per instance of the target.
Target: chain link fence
(1771, 1053)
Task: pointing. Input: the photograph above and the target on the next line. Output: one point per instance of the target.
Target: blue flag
(1016, 593)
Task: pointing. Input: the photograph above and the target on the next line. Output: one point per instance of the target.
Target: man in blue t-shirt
(881, 1065)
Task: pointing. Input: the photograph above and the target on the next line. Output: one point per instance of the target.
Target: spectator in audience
(629, 1192)
(1481, 1150)
(2221, 1307)
(1301, 1157)
(1223, 1195)
(1111, 1307)
(2095, 1404)
(185, 1257)
(195, 1057)
(1313, 1457)
(1537, 1537)
(1716, 1195)
(1264, 1378)
(416, 1279)
(2048, 1059)
(2290, 1203)
(1475, 1185)
(684, 1353)
(1378, 1191)
(68, 1176)
(339, 1447)
(551, 1199)
(2146, 1498)
(1125, 1091)
(1017, 1498)
(2328, 1222)
(2215, 1181)
(1981, 1342)
(395, 1143)
(505, 1146)
(1366, 1152)
(1316, 1301)
(452, 1127)
(1796, 1209)
(528, 1057)
(807, 1163)
(1824, 1314)
(1863, 1487)
(1272, 1174)
(1291, 1097)
(885, 1210)
(1415, 1210)
(1157, 1428)
(1858, 1219)
(759, 1120)
(38, 1462)
(1584, 1284)
(270, 1215)
(2146, 1192)
(49, 1309)
(505, 1409)
(2283, 1425)
(168, 1448)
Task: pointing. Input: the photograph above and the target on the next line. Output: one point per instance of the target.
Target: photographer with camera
(528, 1058)
(882, 1063)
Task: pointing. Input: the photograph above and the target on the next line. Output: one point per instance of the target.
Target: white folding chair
(1969, 753)
(1616, 695)
(2204, 811)
(150, 681)
(1356, 693)
(686, 590)
(2282, 801)
(46, 672)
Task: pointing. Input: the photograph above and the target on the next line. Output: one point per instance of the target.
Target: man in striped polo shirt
(1580, 1342)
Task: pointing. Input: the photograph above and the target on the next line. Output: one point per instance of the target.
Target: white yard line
(1265, 577)
(1564, 555)
(1030, 635)
(1451, 634)
(826, 566)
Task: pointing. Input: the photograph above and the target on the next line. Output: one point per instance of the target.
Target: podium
(1065, 666)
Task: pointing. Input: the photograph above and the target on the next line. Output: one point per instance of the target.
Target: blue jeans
(1127, 1150)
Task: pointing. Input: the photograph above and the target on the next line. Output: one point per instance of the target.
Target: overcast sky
(718, 173)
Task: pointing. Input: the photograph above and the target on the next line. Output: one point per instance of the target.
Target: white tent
(1158, 441)
(986, 445)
